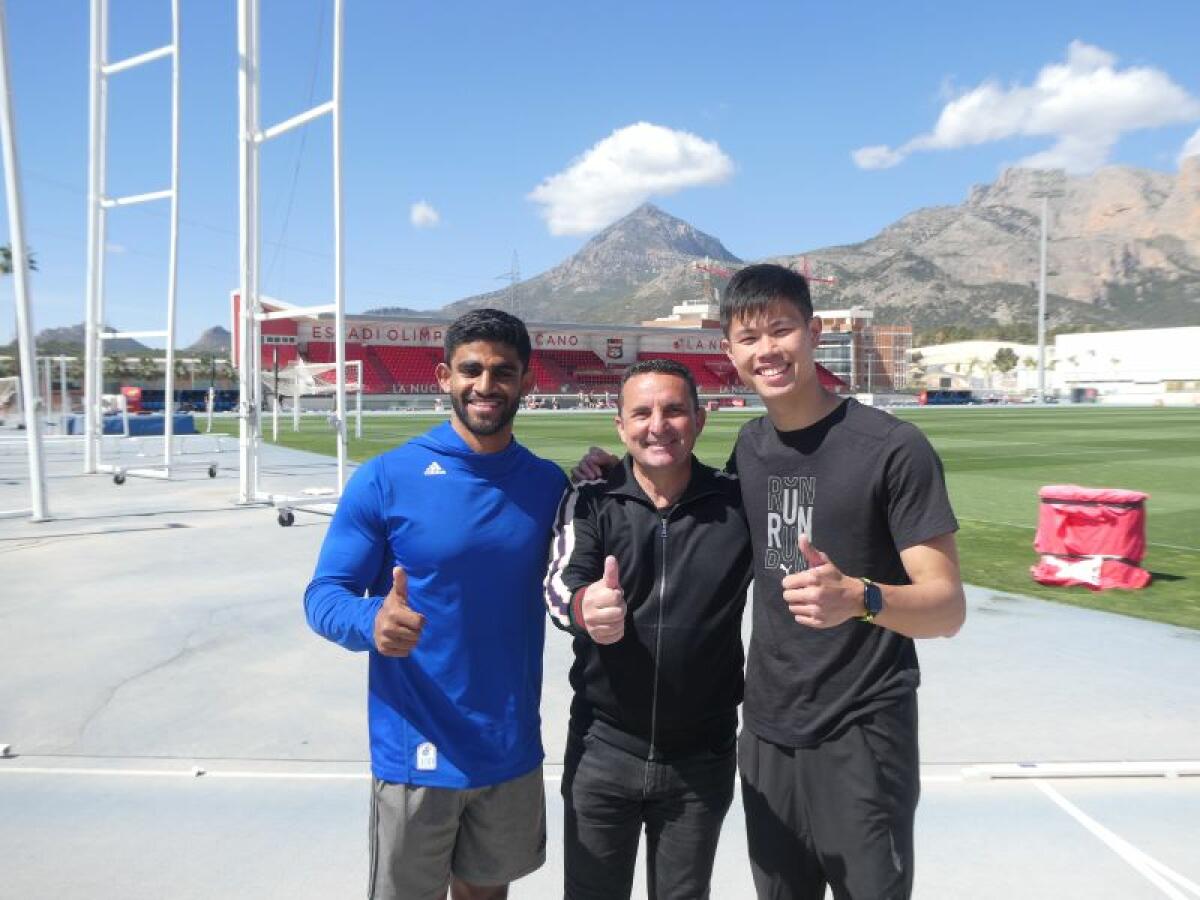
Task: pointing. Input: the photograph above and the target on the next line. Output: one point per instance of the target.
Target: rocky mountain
(636, 268)
(1123, 251)
(72, 337)
(214, 340)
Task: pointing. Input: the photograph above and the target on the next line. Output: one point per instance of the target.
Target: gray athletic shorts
(484, 836)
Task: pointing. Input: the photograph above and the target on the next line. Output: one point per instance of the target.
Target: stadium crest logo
(616, 348)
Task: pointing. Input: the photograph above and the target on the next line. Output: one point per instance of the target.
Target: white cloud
(626, 168)
(1191, 147)
(1085, 104)
(423, 215)
(877, 157)
(115, 248)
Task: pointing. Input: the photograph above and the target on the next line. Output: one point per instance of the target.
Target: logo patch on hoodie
(426, 757)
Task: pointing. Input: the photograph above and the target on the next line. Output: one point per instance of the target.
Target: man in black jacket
(649, 568)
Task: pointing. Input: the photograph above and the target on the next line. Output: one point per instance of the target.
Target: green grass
(996, 459)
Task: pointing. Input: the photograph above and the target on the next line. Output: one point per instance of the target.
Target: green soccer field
(995, 458)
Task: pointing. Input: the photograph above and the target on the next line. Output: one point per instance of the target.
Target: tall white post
(339, 279)
(93, 355)
(39, 510)
(248, 413)
(1041, 314)
(173, 251)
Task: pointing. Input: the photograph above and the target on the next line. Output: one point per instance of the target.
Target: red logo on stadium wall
(616, 348)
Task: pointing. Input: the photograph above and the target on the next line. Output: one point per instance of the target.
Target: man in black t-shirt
(828, 752)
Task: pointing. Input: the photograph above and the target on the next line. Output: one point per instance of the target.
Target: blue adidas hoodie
(472, 532)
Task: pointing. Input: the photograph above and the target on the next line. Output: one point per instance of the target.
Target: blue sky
(777, 127)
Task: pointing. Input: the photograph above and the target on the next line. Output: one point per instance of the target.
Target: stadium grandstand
(399, 354)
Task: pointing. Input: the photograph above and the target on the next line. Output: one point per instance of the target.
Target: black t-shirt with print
(864, 485)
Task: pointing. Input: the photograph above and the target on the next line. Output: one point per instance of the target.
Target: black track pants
(840, 813)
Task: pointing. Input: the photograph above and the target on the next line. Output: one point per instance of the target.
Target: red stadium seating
(410, 368)
(286, 354)
(711, 372)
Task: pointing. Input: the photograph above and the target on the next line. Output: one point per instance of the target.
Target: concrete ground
(177, 731)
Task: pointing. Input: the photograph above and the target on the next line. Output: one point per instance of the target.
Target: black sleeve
(731, 463)
(918, 505)
(576, 556)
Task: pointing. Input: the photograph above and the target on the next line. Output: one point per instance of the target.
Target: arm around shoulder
(576, 559)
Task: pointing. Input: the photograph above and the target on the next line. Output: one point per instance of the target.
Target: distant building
(869, 358)
(1149, 365)
(971, 365)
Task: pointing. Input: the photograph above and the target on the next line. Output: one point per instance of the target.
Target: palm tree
(115, 369)
(148, 369)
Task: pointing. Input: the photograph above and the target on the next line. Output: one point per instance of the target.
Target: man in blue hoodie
(433, 564)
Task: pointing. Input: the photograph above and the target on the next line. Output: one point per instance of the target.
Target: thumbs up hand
(821, 596)
(397, 627)
(603, 606)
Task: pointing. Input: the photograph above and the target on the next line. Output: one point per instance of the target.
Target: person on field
(854, 557)
(433, 565)
(648, 570)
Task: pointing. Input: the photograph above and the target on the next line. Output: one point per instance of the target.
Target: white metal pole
(20, 269)
(339, 273)
(97, 228)
(91, 389)
(296, 405)
(173, 250)
(275, 417)
(211, 402)
(248, 125)
(1041, 314)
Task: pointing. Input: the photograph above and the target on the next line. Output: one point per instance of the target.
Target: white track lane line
(196, 772)
(1158, 874)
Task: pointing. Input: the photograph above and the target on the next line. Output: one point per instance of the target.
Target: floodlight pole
(20, 271)
(1046, 191)
(1041, 316)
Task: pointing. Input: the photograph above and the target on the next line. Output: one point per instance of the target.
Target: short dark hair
(660, 367)
(488, 325)
(754, 288)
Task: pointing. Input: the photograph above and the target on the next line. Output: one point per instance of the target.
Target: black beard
(507, 414)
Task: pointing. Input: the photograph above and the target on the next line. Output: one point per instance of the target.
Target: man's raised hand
(397, 627)
(603, 606)
(821, 596)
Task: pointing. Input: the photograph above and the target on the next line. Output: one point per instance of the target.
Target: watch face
(873, 599)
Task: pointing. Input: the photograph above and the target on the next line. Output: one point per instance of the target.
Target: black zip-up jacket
(672, 684)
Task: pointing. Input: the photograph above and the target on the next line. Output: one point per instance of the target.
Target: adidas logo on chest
(434, 468)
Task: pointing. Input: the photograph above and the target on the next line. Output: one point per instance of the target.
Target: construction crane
(806, 271)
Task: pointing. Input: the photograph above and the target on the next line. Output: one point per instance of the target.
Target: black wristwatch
(872, 600)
